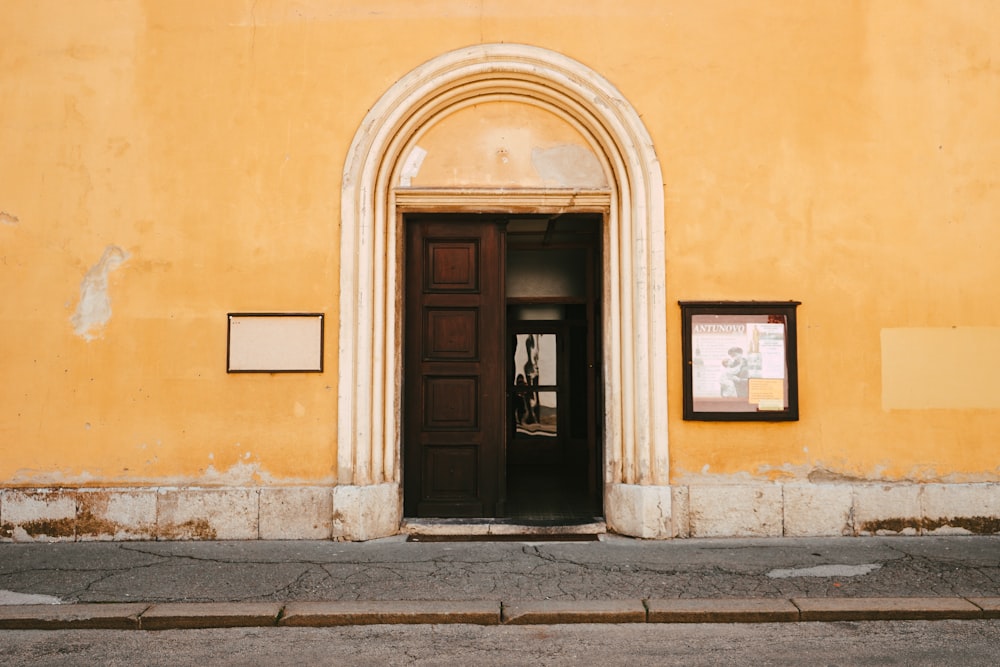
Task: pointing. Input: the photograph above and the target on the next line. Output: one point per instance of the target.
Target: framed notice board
(740, 360)
(275, 343)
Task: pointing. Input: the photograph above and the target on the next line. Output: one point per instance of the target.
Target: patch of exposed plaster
(8, 219)
(94, 309)
(411, 167)
(238, 474)
(569, 166)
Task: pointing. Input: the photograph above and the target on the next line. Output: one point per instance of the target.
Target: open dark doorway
(501, 369)
(552, 310)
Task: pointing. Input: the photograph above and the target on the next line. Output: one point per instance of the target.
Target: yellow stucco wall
(840, 154)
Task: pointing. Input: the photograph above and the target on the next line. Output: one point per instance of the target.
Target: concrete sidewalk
(164, 585)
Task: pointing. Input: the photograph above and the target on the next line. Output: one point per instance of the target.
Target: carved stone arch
(367, 500)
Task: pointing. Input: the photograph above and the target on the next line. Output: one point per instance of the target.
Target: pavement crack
(285, 592)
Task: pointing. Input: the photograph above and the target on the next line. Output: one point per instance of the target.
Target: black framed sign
(740, 360)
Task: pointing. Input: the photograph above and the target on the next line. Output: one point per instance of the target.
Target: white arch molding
(368, 499)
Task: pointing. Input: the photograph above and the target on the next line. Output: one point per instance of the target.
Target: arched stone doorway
(382, 180)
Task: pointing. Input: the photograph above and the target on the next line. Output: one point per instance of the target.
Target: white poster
(726, 353)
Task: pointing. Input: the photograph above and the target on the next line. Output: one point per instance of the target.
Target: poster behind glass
(738, 363)
(732, 353)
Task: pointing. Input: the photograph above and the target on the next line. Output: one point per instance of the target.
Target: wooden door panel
(452, 266)
(451, 480)
(451, 334)
(453, 376)
(451, 403)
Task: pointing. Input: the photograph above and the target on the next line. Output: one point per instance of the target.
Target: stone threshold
(508, 529)
(200, 615)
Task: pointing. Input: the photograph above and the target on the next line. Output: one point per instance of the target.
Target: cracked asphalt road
(392, 569)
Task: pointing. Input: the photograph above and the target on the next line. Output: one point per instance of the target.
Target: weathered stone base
(639, 511)
(815, 510)
(366, 512)
(67, 515)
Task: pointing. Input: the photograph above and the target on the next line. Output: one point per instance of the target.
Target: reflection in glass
(534, 367)
(535, 412)
(535, 358)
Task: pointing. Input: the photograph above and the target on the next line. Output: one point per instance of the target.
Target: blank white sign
(275, 342)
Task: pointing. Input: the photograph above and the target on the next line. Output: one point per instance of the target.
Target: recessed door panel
(451, 403)
(450, 472)
(451, 334)
(452, 265)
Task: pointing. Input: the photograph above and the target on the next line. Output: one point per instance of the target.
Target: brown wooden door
(454, 400)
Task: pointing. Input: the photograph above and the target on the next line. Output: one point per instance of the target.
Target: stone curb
(191, 615)
(322, 614)
(990, 606)
(750, 610)
(181, 615)
(885, 609)
(112, 616)
(557, 612)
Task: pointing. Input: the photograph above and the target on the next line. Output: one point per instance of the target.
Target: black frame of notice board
(740, 360)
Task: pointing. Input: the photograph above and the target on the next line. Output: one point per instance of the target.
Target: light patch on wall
(940, 368)
(241, 473)
(411, 167)
(570, 166)
(94, 309)
(8, 219)
(501, 144)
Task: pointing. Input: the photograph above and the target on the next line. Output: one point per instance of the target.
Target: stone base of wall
(816, 510)
(367, 512)
(639, 511)
(68, 515)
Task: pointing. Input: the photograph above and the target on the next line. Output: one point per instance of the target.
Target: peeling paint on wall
(8, 219)
(94, 309)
